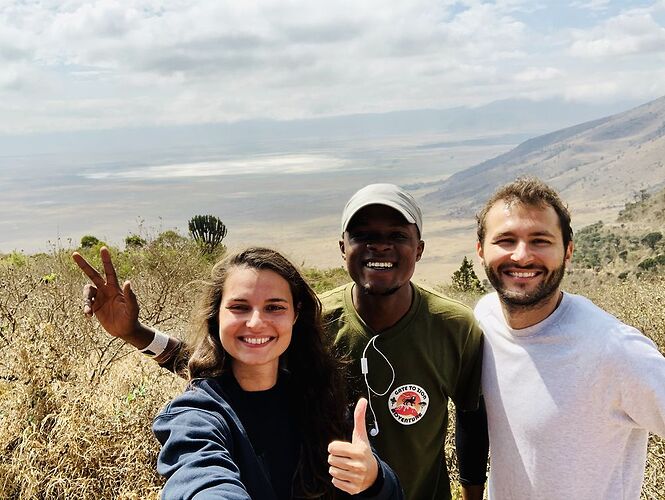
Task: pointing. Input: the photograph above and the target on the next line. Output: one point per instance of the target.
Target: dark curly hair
(317, 384)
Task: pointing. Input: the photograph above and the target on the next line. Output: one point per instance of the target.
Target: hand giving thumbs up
(353, 466)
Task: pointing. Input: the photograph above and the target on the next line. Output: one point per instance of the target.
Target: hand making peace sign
(116, 309)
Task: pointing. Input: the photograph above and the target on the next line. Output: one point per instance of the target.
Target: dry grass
(76, 407)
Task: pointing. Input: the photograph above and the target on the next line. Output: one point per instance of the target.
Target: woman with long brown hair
(266, 397)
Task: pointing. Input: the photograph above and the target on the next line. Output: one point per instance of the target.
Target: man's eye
(399, 236)
(504, 241)
(541, 242)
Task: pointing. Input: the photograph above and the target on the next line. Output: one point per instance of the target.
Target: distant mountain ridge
(596, 165)
(507, 117)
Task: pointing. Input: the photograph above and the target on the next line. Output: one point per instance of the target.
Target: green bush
(89, 241)
(465, 279)
(652, 239)
(134, 241)
(647, 264)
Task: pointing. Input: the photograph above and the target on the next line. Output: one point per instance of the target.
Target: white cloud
(628, 33)
(108, 63)
(593, 5)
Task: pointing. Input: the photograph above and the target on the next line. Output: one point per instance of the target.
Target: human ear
(341, 248)
(569, 252)
(421, 249)
(479, 252)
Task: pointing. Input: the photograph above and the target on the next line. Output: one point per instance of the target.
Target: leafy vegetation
(465, 279)
(89, 241)
(633, 245)
(135, 241)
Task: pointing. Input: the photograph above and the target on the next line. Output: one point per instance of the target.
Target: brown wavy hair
(528, 191)
(317, 386)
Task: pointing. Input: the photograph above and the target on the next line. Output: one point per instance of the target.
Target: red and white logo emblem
(408, 404)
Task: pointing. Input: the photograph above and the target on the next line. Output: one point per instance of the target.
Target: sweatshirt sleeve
(641, 370)
(196, 456)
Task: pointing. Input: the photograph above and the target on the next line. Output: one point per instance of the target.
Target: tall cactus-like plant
(208, 231)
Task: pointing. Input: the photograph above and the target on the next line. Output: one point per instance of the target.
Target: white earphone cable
(364, 368)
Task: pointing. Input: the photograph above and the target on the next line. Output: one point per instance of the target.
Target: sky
(71, 65)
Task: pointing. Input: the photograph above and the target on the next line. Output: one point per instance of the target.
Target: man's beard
(519, 299)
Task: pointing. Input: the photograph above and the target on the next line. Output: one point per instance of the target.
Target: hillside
(596, 165)
(633, 244)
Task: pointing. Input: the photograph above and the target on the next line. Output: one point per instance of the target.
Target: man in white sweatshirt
(571, 392)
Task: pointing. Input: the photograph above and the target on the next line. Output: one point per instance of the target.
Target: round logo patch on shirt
(408, 404)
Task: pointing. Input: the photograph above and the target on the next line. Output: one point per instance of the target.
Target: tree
(134, 241)
(651, 239)
(208, 231)
(465, 279)
(171, 239)
(89, 241)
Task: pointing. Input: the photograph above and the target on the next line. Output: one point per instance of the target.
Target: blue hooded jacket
(206, 453)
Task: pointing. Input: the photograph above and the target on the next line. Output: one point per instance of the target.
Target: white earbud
(364, 368)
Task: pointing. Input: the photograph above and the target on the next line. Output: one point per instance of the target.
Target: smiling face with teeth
(381, 249)
(256, 318)
(524, 257)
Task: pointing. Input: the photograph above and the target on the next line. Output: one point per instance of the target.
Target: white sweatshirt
(570, 402)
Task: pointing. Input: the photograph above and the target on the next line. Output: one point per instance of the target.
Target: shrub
(170, 239)
(652, 239)
(89, 241)
(134, 241)
(465, 279)
(648, 263)
(15, 259)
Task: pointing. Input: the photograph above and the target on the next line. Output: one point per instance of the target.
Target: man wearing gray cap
(409, 349)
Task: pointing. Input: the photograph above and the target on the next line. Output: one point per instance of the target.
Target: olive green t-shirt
(436, 353)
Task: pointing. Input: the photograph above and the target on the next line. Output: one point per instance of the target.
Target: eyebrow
(535, 233)
(274, 299)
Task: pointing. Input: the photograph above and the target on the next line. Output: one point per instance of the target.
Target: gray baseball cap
(384, 194)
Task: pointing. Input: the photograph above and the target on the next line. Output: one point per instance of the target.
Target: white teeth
(256, 340)
(522, 275)
(380, 265)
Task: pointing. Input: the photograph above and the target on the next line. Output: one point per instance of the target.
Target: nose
(379, 244)
(521, 254)
(255, 320)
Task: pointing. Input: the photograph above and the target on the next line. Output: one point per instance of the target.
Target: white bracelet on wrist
(157, 346)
